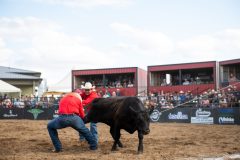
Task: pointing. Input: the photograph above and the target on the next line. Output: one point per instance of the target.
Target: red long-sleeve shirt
(71, 103)
(88, 98)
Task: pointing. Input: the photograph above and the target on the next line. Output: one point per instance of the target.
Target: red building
(229, 73)
(194, 77)
(129, 81)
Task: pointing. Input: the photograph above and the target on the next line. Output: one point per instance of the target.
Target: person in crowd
(18, 104)
(118, 93)
(215, 99)
(192, 81)
(88, 95)
(149, 105)
(125, 85)
(130, 84)
(163, 102)
(205, 101)
(182, 97)
(7, 103)
(223, 102)
(100, 94)
(164, 82)
(70, 115)
(232, 78)
(118, 84)
(106, 94)
(186, 82)
(198, 80)
(114, 94)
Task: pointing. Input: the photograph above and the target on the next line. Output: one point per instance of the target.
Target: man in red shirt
(88, 96)
(70, 115)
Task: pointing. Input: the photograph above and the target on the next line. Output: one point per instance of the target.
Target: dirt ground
(28, 139)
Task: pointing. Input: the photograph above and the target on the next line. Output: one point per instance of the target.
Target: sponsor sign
(179, 115)
(226, 120)
(35, 112)
(155, 115)
(202, 116)
(225, 116)
(10, 114)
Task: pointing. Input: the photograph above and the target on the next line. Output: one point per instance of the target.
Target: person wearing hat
(88, 95)
(182, 97)
(70, 115)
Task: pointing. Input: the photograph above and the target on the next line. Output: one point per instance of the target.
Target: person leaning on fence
(70, 115)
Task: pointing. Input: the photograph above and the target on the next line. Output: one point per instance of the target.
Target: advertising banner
(35, 114)
(155, 116)
(179, 115)
(202, 116)
(11, 113)
(227, 116)
(221, 116)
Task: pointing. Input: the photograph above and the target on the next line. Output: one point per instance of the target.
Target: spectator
(182, 97)
(130, 84)
(223, 102)
(205, 102)
(164, 83)
(118, 92)
(186, 82)
(232, 78)
(198, 80)
(118, 84)
(215, 100)
(7, 103)
(106, 94)
(114, 94)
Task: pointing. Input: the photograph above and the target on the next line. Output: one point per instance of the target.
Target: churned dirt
(28, 139)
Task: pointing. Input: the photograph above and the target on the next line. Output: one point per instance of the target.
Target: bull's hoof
(120, 144)
(114, 148)
(140, 152)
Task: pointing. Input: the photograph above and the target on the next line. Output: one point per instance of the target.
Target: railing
(195, 88)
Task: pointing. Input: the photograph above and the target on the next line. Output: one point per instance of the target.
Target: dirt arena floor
(28, 139)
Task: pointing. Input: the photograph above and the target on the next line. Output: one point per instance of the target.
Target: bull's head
(90, 117)
(143, 120)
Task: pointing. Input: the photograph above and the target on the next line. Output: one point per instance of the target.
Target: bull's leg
(115, 132)
(140, 145)
(118, 135)
(112, 131)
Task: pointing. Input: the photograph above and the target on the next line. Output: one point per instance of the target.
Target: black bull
(126, 113)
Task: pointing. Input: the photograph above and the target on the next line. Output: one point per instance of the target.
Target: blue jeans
(93, 130)
(73, 121)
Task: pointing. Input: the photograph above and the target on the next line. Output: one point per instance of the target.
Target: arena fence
(176, 115)
(197, 115)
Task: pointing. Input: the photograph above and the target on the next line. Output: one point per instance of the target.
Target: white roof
(7, 88)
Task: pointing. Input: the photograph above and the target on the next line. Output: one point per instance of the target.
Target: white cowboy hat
(87, 85)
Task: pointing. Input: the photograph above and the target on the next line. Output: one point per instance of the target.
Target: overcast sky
(56, 36)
